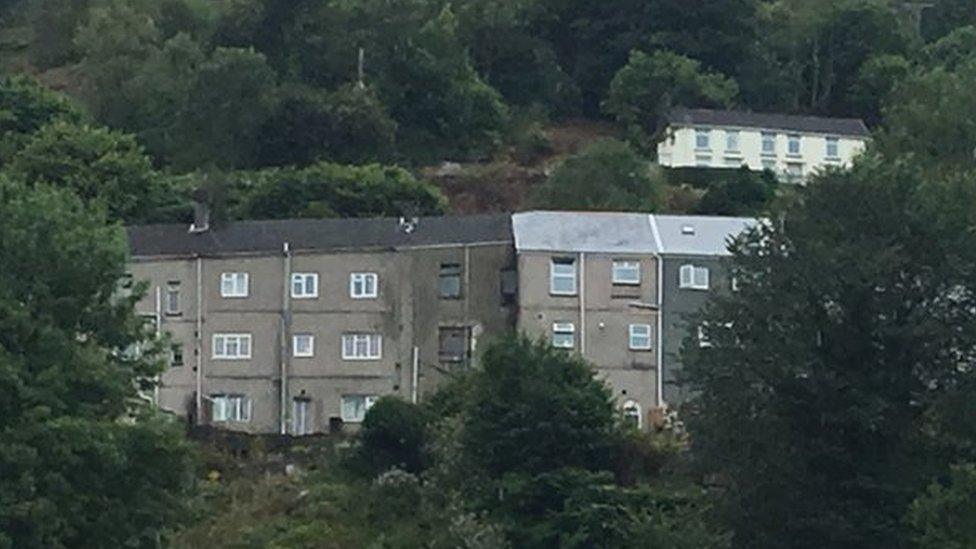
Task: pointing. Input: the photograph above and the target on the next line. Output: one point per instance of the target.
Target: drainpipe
(660, 332)
(285, 329)
(199, 341)
(415, 375)
(158, 331)
(582, 303)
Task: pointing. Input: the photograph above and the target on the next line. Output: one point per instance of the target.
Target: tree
(394, 435)
(607, 175)
(744, 193)
(25, 107)
(83, 461)
(333, 190)
(643, 91)
(943, 516)
(96, 163)
(876, 80)
(819, 394)
(955, 49)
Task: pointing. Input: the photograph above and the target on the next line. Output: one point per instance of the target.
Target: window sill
(231, 358)
(641, 350)
(703, 151)
(305, 297)
(694, 288)
(560, 294)
(450, 297)
(768, 154)
(172, 314)
(627, 284)
(794, 156)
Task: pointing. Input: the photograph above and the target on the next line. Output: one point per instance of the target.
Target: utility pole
(914, 10)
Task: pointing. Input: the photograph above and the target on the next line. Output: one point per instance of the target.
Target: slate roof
(591, 232)
(698, 235)
(789, 122)
(269, 236)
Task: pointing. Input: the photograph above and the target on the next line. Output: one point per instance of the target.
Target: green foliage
(82, 462)
(876, 79)
(944, 516)
(53, 23)
(393, 435)
(607, 175)
(827, 366)
(333, 190)
(954, 49)
(645, 89)
(741, 193)
(25, 107)
(98, 164)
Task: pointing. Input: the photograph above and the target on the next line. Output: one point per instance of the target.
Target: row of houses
(298, 326)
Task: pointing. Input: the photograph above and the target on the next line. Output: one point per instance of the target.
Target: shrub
(394, 434)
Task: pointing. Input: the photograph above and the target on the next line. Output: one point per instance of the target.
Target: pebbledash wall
(297, 326)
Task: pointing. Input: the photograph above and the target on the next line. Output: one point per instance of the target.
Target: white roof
(589, 232)
(698, 235)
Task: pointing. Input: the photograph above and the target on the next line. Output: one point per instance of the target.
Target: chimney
(201, 211)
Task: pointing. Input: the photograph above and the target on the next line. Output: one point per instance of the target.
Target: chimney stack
(201, 211)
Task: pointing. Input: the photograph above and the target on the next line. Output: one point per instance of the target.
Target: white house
(791, 146)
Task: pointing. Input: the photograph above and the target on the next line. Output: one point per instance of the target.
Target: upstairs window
(626, 272)
(639, 337)
(362, 346)
(833, 147)
(176, 356)
(363, 285)
(231, 408)
(449, 281)
(732, 140)
(793, 144)
(304, 285)
(232, 346)
(702, 140)
(453, 344)
(354, 407)
(693, 277)
(303, 345)
(172, 298)
(768, 143)
(562, 276)
(508, 283)
(233, 284)
(563, 335)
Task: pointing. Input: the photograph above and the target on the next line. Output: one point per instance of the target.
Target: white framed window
(172, 300)
(362, 346)
(768, 143)
(693, 277)
(231, 346)
(354, 407)
(769, 164)
(793, 144)
(234, 284)
(632, 413)
(363, 285)
(833, 147)
(305, 285)
(563, 335)
(733, 162)
(230, 408)
(303, 345)
(703, 161)
(562, 276)
(794, 172)
(703, 341)
(732, 140)
(449, 281)
(301, 417)
(702, 139)
(626, 272)
(639, 337)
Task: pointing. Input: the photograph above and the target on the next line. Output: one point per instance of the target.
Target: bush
(394, 435)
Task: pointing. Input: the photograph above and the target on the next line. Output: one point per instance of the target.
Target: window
(703, 161)
(640, 337)
(769, 164)
(626, 272)
(362, 346)
(453, 344)
(563, 335)
(233, 284)
(731, 162)
(793, 144)
(832, 147)
(508, 282)
(732, 140)
(172, 300)
(768, 143)
(794, 172)
(304, 285)
(632, 414)
(231, 408)
(702, 139)
(303, 345)
(703, 341)
(694, 278)
(232, 346)
(562, 276)
(176, 356)
(301, 417)
(354, 407)
(449, 281)
(363, 285)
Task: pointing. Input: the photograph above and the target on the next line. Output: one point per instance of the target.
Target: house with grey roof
(692, 251)
(791, 146)
(298, 326)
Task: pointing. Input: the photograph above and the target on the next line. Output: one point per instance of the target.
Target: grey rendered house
(297, 326)
(692, 251)
(588, 283)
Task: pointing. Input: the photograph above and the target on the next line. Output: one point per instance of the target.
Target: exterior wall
(678, 309)
(601, 321)
(679, 150)
(407, 313)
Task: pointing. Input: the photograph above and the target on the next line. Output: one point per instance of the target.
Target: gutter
(199, 341)
(285, 333)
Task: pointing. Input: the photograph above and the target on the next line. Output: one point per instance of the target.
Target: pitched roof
(698, 235)
(773, 121)
(598, 232)
(269, 236)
